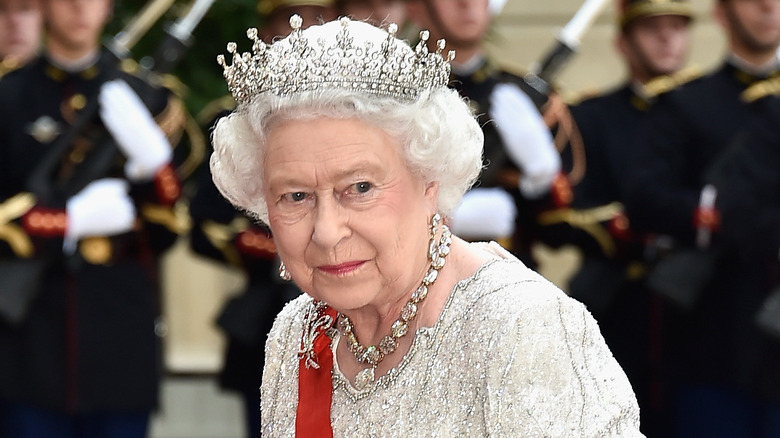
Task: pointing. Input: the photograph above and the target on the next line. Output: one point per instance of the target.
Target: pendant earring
(435, 220)
(284, 274)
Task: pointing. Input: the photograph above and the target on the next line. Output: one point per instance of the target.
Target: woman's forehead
(339, 147)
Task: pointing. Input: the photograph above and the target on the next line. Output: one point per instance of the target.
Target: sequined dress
(511, 356)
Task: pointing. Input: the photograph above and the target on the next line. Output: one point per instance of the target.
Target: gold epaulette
(761, 89)
(666, 83)
(8, 65)
(216, 106)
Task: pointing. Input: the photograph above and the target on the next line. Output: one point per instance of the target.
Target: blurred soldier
(80, 353)
(729, 378)
(222, 233)
(521, 160)
(379, 12)
(20, 32)
(653, 40)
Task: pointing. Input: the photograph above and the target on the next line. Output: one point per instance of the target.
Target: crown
(375, 64)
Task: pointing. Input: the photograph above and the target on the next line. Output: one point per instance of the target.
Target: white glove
(134, 129)
(527, 139)
(485, 213)
(101, 208)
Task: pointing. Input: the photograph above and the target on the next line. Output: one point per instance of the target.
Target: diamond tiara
(375, 64)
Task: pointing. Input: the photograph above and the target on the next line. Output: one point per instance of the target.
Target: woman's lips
(341, 268)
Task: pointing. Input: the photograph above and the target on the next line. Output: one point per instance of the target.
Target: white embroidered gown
(511, 356)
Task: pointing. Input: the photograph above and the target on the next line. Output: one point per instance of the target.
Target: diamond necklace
(374, 354)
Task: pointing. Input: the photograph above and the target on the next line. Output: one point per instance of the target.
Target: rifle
(566, 44)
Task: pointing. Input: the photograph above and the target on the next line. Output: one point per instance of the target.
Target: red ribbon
(315, 388)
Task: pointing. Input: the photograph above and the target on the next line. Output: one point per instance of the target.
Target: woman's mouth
(341, 268)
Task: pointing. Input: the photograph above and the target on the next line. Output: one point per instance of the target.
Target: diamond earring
(284, 274)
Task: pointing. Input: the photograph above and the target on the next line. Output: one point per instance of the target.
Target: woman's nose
(330, 222)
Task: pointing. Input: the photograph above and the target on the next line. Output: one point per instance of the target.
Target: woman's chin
(345, 297)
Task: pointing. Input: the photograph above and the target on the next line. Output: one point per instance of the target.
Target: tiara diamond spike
(353, 56)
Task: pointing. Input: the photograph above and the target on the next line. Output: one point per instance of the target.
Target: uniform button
(78, 101)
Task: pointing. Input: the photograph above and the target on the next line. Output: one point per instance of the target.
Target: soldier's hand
(102, 208)
(131, 124)
(527, 139)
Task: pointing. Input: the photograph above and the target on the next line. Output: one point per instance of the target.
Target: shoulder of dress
(296, 306)
(666, 83)
(513, 286)
(292, 313)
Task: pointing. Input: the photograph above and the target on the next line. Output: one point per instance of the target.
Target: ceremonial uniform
(89, 342)
(610, 279)
(691, 133)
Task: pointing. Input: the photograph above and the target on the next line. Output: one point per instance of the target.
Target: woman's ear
(432, 196)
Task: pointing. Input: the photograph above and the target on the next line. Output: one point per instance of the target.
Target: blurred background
(195, 289)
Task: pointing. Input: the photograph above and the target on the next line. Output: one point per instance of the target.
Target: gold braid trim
(221, 237)
(175, 121)
(666, 83)
(216, 106)
(556, 113)
(589, 221)
(761, 89)
(17, 239)
(197, 150)
(171, 120)
(16, 206)
(175, 219)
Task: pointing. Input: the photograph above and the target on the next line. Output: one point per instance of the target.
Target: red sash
(315, 388)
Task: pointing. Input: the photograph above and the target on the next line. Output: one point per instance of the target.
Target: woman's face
(350, 221)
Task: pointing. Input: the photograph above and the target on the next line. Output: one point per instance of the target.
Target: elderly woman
(349, 145)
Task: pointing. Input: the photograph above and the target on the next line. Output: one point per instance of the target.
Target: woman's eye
(296, 196)
(363, 187)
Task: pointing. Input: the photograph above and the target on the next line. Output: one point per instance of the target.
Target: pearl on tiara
(293, 64)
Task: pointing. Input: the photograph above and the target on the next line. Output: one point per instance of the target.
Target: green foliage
(227, 20)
